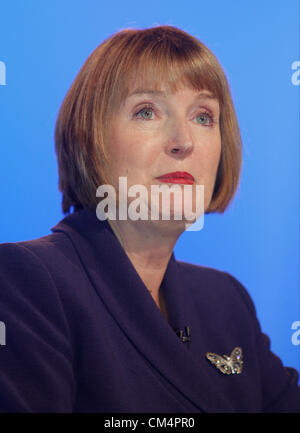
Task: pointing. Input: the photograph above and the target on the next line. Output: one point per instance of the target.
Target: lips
(181, 177)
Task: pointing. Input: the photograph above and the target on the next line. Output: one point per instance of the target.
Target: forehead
(164, 93)
(166, 68)
(161, 84)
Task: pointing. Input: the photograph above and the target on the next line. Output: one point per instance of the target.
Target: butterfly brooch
(232, 364)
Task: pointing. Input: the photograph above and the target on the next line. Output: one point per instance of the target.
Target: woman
(100, 316)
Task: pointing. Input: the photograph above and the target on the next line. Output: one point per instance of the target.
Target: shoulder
(27, 286)
(32, 250)
(19, 261)
(35, 258)
(28, 249)
(218, 286)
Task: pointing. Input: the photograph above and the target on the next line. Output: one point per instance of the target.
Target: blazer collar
(125, 295)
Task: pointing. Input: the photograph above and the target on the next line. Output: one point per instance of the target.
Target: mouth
(181, 177)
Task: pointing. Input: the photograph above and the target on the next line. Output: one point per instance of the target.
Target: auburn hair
(137, 57)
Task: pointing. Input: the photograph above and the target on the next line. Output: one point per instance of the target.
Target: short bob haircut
(132, 57)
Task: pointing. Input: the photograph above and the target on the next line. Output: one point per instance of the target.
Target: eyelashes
(145, 108)
(205, 116)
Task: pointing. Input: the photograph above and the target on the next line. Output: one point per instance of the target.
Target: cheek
(131, 153)
(122, 146)
(209, 157)
(215, 156)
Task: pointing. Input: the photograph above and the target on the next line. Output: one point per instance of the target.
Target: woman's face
(156, 133)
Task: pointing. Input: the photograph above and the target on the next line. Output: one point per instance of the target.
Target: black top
(83, 333)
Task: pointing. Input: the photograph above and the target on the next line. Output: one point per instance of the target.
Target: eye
(145, 113)
(205, 119)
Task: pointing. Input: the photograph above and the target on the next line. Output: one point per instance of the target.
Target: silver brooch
(232, 364)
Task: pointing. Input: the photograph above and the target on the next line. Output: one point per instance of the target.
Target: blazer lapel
(131, 305)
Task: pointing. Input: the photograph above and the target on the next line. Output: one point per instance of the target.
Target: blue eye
(204, 118)
(145, 113)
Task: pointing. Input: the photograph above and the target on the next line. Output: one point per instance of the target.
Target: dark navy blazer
(83, 333)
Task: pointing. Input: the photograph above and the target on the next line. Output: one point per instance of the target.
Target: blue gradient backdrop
(43, 45)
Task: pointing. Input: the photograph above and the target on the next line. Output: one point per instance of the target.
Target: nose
(180, 142)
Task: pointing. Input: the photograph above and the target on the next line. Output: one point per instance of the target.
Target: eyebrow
(201, 95)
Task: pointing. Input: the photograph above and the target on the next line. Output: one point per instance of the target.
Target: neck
(149, 246)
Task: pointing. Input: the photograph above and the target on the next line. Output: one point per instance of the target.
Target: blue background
(43, 45)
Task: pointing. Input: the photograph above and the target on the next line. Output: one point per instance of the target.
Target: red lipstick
(177, 177)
